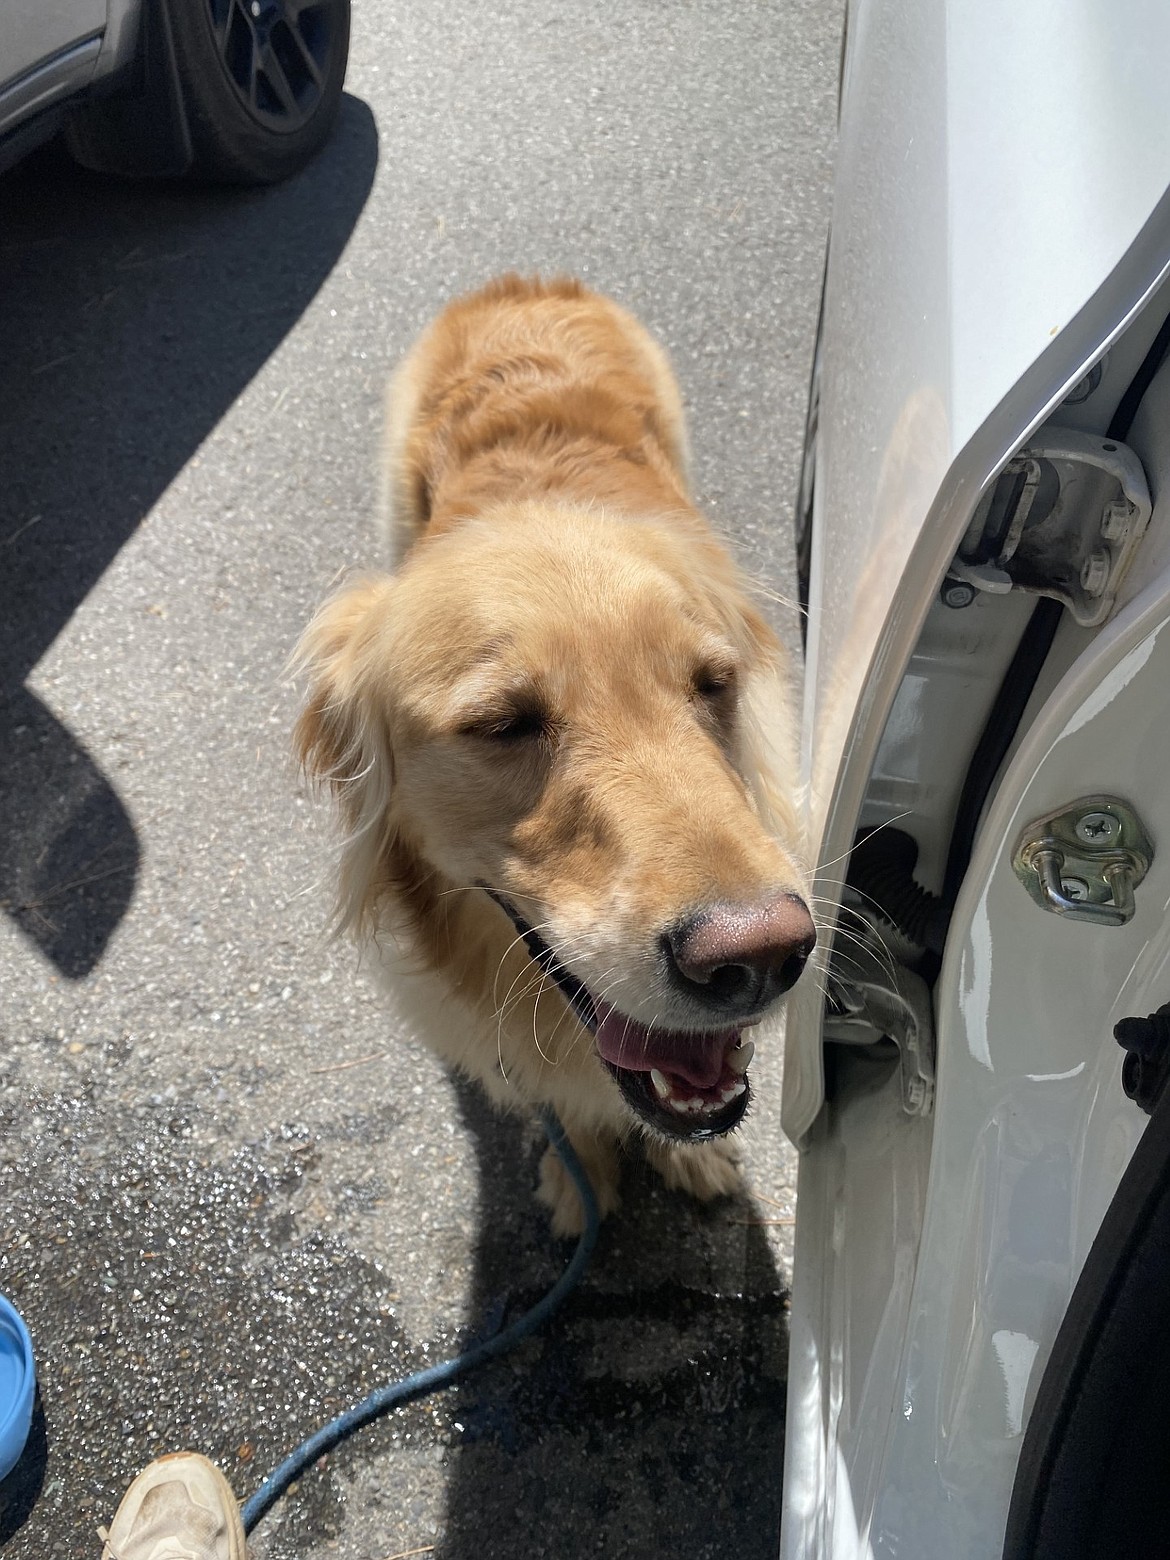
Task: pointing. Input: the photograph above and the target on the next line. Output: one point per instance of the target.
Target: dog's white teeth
(739, 1058)
(692, 1104)
(686, 1107)
(661, 1087)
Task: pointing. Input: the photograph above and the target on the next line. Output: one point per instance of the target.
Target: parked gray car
(237, 91)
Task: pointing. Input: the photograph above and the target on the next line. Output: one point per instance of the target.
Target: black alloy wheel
(260, 80)
(276, 55)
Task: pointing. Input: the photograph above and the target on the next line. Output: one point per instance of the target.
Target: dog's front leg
(598, 1152)
(702, 1170)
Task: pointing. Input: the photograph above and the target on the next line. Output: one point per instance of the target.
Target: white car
(980, 1335)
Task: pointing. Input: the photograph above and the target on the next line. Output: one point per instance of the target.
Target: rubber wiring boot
(179, 1508)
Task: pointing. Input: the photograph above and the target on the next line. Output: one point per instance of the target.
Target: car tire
(260, 81)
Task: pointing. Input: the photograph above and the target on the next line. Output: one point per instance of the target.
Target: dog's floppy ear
(335, 653)
(342, 736)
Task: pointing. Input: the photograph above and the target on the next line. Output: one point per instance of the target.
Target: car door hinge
(1063, 519)
(871, 998)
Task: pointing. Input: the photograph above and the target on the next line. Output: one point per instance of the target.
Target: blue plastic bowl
(18, 1384)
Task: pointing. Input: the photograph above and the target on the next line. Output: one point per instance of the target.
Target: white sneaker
(180, 1508)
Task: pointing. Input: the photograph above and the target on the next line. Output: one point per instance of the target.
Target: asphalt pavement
(237, 1192)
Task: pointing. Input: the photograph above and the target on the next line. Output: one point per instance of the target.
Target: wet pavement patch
(180, 1295)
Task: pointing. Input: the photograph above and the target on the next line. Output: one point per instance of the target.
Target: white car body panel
(1001, 219)
(922, 1337)
(997, 164)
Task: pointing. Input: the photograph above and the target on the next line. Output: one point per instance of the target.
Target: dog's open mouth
(688, 1084)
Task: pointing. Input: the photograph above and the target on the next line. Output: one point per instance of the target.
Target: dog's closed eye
(715, 683)
(508, 725)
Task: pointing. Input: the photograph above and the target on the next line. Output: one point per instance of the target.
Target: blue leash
(426, 1381)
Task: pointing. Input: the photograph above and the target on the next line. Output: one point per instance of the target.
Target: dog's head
(564, 711)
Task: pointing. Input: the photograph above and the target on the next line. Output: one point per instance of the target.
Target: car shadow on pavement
(133, 316)
(647, 1420)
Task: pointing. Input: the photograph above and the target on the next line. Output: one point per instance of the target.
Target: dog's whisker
(509, 1004)
(545, 978)
(549, 974)
(646, 1041)
(605, 988)
(853, 889)
(841, 928)
(835, 908)
(582, 1032)
(503, 1010)
(516, 940)
(886, 823)
(758, 588)
(881, 952)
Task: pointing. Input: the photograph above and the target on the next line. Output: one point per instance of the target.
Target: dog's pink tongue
(695, 1057)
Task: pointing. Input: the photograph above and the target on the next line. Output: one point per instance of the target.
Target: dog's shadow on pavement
(133, 316)
(647, 1419)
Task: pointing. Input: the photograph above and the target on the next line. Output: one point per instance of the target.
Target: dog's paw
(702, 1170)
(558, 1194)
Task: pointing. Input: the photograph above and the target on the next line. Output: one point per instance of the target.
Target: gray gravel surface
(237, 1192)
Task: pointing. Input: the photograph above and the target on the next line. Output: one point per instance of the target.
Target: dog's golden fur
(563, 692)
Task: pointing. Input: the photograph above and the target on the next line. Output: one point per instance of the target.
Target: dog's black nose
(736, 958)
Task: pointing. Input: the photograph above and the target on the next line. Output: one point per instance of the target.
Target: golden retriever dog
(559, 739)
